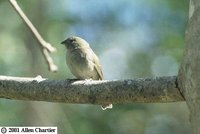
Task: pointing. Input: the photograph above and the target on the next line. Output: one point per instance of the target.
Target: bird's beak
(63, 42)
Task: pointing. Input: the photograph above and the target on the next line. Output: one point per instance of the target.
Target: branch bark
(189, 73)
(45, 47)
(157, 90)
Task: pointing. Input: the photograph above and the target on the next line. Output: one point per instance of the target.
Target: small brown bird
(82, 61)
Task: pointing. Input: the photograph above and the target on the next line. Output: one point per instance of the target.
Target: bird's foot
(108, 106)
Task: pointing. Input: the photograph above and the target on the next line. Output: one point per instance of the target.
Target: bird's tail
(104, 107)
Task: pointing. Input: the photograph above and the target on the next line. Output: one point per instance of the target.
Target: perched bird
(82, 61)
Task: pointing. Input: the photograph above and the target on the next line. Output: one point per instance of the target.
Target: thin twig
(45, 46)
(49, 60)
(31, 27)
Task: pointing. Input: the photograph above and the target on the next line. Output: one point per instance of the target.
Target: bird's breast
(81, 65)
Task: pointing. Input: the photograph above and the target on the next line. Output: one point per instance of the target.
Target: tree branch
(44, 46)
(160, 89)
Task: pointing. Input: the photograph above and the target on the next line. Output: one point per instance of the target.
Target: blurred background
(133, 38)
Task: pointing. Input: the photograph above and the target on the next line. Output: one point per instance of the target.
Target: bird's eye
(71, 40)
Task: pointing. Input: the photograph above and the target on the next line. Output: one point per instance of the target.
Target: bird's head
(74, 42)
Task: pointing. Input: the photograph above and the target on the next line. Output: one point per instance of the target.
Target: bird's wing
(97, 67)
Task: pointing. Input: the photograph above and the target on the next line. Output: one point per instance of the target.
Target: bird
(82, 61)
